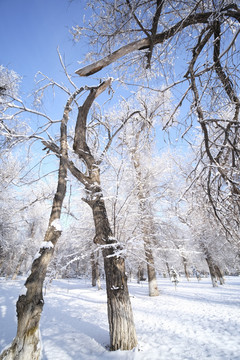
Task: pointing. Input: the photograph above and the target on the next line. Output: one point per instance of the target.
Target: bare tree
(138, 147)
(9, 212)
(122, 330)
(121, 324)
(30, 305)
(206, 33)
(206, 232)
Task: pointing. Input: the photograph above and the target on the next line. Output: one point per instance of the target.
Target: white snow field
(195, 321)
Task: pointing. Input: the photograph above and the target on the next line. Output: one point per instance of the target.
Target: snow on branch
(191, 19)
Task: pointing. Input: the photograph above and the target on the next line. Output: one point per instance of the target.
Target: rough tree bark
(25, 345)
(120, 317)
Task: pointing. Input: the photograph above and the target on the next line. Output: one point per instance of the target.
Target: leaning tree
(26, 344)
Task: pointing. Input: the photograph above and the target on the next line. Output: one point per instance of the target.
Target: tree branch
(154, 30)
(144, 43)
(80, 145)
(137, 20)
(113, 136)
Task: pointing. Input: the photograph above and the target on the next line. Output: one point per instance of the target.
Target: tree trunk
(120, 316)
(146, 215)
(98, 273)
(121, 325)
(140, 274)
(26, 345)
(219, 275)
(152, 279)
(2, 260)
(212, 271)
(20, 261)
(184, 260)
(185, 267)
(24, 254)
(168, 268)
(95, 271)
(9, 266)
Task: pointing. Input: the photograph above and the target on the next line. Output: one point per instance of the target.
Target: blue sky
(31, 31)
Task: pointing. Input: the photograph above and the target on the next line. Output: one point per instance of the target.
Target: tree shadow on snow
(66, 328)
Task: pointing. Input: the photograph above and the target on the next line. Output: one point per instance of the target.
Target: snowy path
(194, 322)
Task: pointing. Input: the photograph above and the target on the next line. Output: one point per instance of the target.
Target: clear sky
(31, 31)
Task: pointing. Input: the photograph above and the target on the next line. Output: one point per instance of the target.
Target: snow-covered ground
(195, 321)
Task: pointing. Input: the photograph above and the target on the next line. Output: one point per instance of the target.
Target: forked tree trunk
(26, 344)
(214, 270)
(121, 324)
